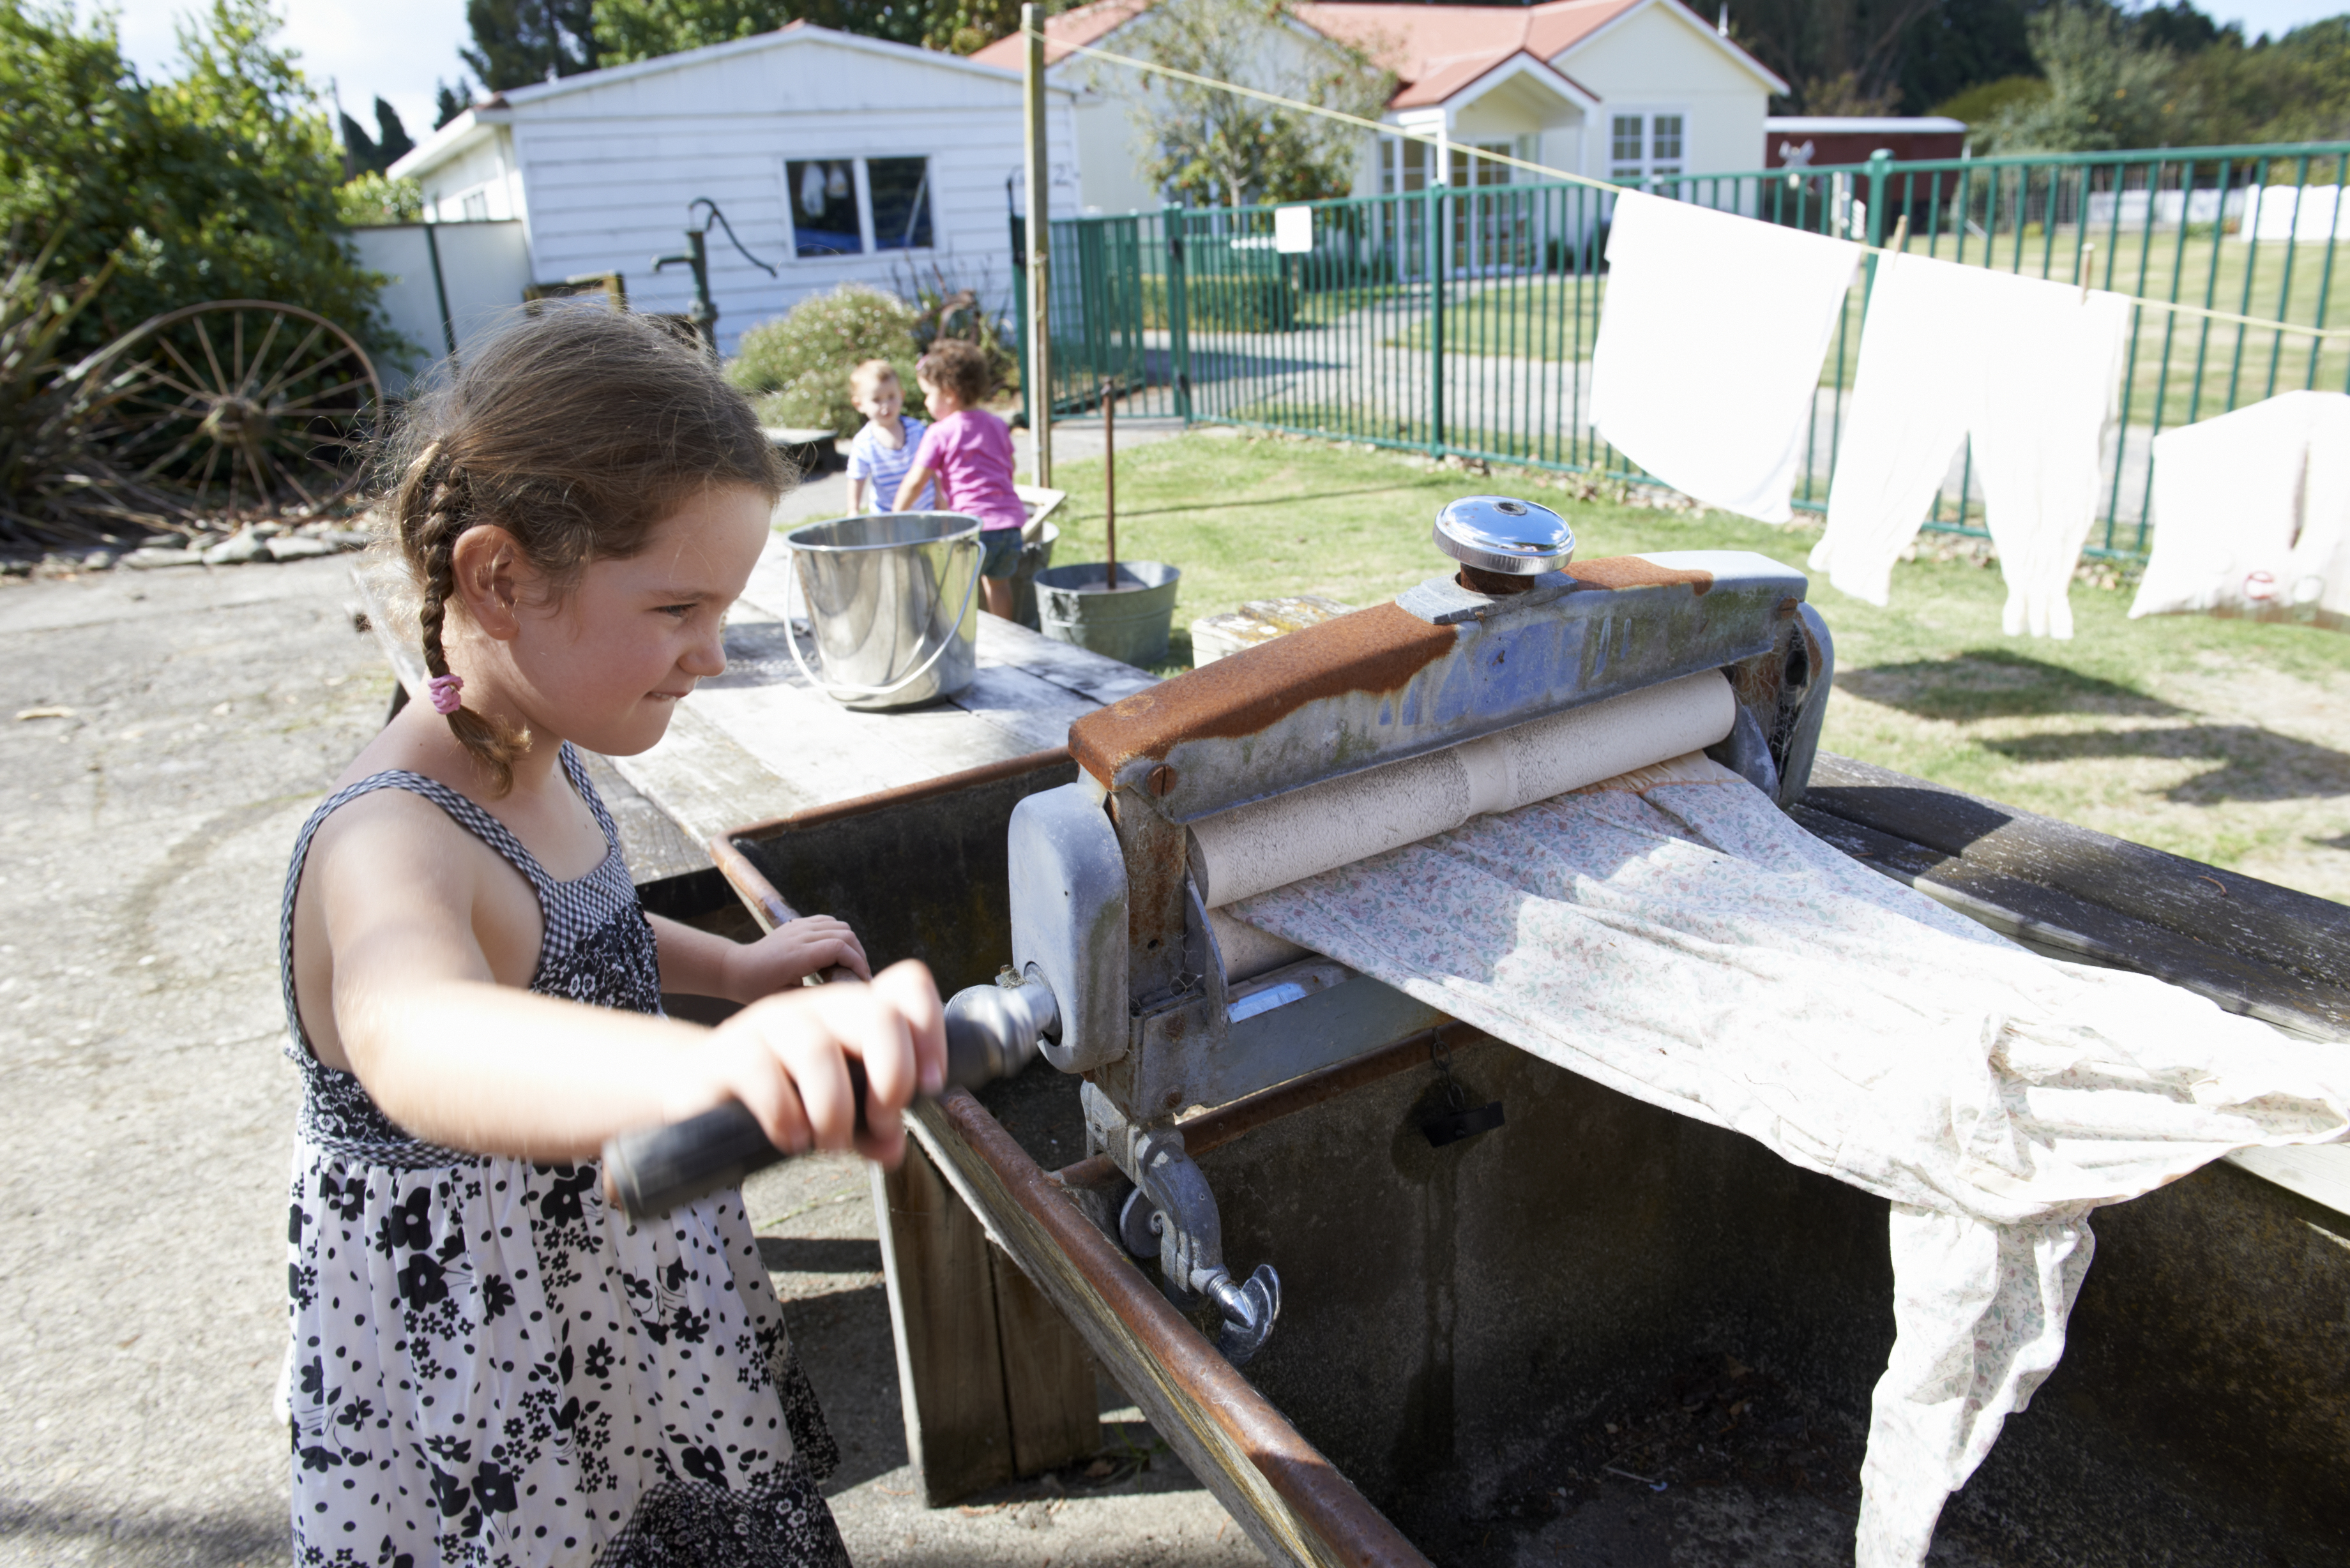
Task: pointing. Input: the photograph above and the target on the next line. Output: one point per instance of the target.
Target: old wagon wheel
(238, 407)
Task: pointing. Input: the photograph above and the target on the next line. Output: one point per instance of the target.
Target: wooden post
(994, 1383)
(1109, 480)
(1039, 368)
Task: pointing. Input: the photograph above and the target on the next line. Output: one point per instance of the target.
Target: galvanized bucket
(1073, 604)
(890, 601)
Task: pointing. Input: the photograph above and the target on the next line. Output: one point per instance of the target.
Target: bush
(56, 485)
(796, 366)
(220, 184)
(374, 198)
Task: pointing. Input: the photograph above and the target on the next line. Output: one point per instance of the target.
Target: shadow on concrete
(1992, 683)
(100, 1532)
(2254, 765)
(799, 1255)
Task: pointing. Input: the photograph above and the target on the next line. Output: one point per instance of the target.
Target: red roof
(1434, 50)
(1083, 24)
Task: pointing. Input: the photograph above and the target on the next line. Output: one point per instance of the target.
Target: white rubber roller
(1271, 843)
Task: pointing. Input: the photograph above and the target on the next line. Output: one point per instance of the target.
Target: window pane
(824, 207)
(1415, 165)
(1489, 172)
(1667, 132)
(1626, 141)
(902, 203)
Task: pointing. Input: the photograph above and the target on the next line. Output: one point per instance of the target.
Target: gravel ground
(195, 717)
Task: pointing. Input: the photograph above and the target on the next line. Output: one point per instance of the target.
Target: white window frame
(860, 182)
(1647, 166)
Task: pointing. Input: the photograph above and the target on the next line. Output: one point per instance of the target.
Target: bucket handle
(836, 689)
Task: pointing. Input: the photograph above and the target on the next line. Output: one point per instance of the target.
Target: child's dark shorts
(999, 551)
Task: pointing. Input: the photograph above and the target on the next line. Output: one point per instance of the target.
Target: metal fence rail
(1459, 320)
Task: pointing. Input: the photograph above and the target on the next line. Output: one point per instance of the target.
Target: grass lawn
(2221, 739)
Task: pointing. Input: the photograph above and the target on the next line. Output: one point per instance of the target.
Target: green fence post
(1436, 263)
(1178, 311)
(1879, 166)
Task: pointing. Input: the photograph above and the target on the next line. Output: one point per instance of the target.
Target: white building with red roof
(1612, 88)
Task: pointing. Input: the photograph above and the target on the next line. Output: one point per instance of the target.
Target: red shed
(1823, 139)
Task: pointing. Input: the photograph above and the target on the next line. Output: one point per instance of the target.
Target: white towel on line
(1710, 340)
(2032, 370)
(1672, 935)
(2252, 514)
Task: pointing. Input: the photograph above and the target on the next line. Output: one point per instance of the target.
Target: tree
(642, 29)
(220, 184)
(2293, 89)
(518, 42)
(2108, 87)
(1214, 147)
(629, 30)
(1838, 56)
(1963, 45)
(365, 154)
(449, 103)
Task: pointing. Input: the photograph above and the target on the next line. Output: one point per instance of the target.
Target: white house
(1611, 89)
(836, 157)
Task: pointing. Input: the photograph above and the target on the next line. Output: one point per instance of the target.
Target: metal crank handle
(992, 1033)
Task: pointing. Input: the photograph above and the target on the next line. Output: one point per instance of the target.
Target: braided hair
(576, 430)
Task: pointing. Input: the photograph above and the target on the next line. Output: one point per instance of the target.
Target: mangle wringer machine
(1525, 675)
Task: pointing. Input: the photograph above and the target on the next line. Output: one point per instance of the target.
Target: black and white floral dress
(490, 1366)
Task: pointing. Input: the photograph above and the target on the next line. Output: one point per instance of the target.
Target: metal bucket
(890, 600)
(1130, 624)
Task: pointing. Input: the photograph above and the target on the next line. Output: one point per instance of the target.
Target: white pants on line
(2031, 371)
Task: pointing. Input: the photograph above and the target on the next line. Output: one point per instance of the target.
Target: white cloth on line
(2252, 514)
(2031, 369)
(1711, 337)
(1672, 935)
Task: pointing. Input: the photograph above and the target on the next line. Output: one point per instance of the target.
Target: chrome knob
(1502, 534)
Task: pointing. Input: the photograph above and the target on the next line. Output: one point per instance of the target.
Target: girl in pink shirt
(969, 452)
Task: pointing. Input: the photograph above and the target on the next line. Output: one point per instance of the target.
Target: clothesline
(2176, 307)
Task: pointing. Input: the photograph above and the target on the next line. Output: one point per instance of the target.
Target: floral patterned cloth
(1672, 935)
(488, 1366)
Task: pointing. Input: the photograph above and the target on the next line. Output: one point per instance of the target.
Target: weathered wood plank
(825, 752)
(2319, 1173)
(2060, 925)
(1018, 702)
(2254, 919)
(1048, 1377)
(1090, 675)
(706, 782)
(936, 1262)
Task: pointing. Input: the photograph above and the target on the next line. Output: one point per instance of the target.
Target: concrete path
(148, 1113)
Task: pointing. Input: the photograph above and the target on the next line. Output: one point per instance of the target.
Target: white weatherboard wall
(607, 163)
(1655, 61)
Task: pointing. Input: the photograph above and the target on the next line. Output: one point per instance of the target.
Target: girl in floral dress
(488, 1366)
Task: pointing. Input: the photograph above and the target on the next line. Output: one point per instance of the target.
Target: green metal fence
(1459, 320)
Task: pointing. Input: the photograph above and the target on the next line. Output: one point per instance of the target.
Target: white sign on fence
(1293, 230)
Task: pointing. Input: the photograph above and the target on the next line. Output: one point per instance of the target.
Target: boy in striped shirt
(880, 453)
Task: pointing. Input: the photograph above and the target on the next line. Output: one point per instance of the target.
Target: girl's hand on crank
(792, 951)
(785, 1058)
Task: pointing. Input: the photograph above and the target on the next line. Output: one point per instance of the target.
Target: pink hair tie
(444, 690)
